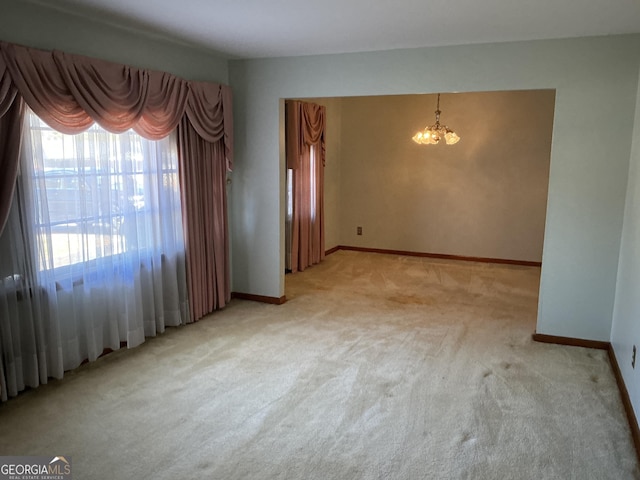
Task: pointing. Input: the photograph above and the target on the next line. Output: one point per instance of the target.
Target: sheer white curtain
(93, 252)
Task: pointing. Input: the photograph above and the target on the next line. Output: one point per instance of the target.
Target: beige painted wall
(483, 197)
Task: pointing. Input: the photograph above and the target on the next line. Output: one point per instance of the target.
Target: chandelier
(432, 135)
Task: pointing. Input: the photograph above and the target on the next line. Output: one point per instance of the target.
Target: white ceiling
(269, 28)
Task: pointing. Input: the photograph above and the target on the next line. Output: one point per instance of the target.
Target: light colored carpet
(378, 367)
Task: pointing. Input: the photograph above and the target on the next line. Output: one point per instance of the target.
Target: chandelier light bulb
(451, 138)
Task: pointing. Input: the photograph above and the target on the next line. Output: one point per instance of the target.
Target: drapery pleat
(166, 104)
(11, 112)
(305, 124)
(71, 92)
(38, 80)
(203, 185)
(227, 107)
(305, 154)
(114, 95)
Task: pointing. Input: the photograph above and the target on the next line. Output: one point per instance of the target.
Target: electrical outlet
(359, 230)
(633, 357)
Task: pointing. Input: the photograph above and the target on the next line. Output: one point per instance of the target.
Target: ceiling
(271, 28)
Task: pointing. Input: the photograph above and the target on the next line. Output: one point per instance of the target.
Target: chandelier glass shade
(433, 134)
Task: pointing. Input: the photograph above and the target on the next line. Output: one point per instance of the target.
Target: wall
(625, 331)
(486, 196)
(37, 26)
(595, 81)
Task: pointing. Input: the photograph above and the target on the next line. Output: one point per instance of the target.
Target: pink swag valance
(305, 124)
(70, 92)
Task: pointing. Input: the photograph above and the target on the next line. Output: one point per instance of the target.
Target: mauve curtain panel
(70, 92)
(11, 112)
(203, 181)
(305, 129)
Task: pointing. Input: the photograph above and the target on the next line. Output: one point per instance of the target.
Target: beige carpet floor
(378, 367)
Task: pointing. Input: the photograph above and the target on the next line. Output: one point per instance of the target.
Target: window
(313, 183)
(98, 195)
